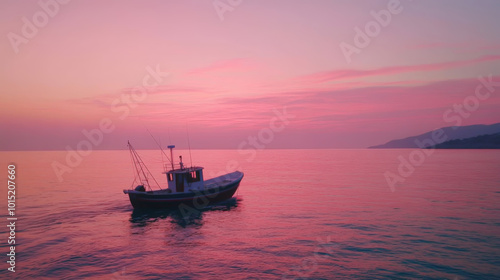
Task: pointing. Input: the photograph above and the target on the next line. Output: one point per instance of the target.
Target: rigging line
(153, 177)
(169, 159)
(189, 146)
(133, 163)
(162, 161)
(137, 176)
(141, 163)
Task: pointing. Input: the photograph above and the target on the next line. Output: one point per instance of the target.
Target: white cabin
(184, 179)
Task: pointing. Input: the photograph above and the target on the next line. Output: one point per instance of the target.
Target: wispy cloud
(328, 76)
(401, 106)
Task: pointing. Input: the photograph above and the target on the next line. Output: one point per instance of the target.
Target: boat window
(170, 177)
(193, 176)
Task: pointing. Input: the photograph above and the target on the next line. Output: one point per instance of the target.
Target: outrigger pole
(138, 162)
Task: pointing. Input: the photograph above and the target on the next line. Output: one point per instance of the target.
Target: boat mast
(171, 147)
(189, 146)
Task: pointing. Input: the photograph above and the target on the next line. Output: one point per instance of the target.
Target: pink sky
(227, 74)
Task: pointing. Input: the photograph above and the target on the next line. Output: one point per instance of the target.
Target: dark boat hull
(198, 199)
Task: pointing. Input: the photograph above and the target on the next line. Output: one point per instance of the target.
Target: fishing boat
(185, 185)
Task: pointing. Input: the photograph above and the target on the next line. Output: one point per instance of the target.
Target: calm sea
(299, 214)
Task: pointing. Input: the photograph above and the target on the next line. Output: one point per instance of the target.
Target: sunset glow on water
(328, 215)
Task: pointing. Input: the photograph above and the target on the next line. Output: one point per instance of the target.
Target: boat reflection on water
(181, 216)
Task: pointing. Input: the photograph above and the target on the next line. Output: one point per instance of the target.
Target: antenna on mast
(162, 160)
(189, 146)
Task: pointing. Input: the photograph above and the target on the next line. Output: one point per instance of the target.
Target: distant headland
(478, 136)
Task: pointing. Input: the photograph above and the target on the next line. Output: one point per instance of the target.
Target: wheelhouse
(185, 179)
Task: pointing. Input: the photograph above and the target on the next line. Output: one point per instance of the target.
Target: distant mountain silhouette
(490, 141)
(441, 135)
